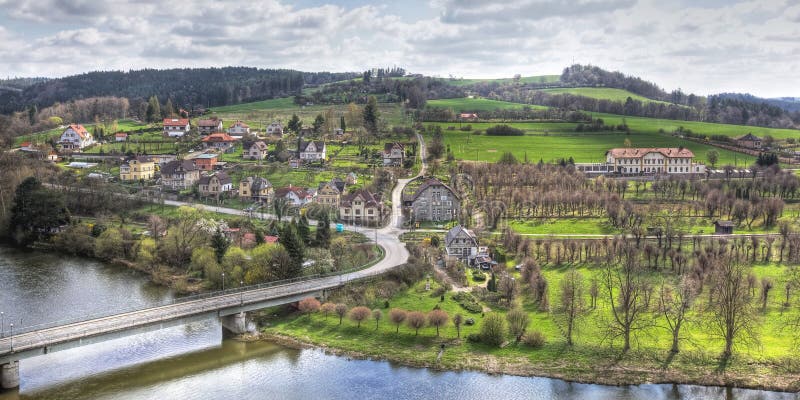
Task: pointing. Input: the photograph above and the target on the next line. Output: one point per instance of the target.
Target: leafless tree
(360, 313)
(438, 318)
(308, 305)
(518, 321)
(415, 320)
(397, 316)
(571, 307)
(328, 308)
(341, 311)
(377, 315)
(624, 285)
(458, 319)
(675, 302)
(732, 312)
(766, 286)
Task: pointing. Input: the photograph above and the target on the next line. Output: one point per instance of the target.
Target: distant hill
(790, 104)
(185, 87)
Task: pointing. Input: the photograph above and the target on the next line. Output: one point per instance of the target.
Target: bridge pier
(235, 323)
(9, 375)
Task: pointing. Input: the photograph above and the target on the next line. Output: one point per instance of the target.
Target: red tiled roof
(211, 123)
(25, 144)
(121, 134)
(176, 122)
(242, 124)
(219, 137)
(80, 130)
(670, 152)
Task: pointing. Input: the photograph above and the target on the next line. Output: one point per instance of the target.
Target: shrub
(466, 128)
(504, 130)
(474, 338)
(328, 308)
(469, 321)
(493, 329)
(308, 305)
(415, 320)
(360, 313)
(341, 311)
(534, 339)
(468, 302)
(437, 318)
(478, 276)
(397, 316)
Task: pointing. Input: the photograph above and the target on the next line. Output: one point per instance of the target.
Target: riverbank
(632, 369)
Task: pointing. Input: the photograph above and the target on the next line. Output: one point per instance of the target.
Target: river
(195, 362)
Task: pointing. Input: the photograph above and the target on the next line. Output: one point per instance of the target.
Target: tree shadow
(724, 361)
(668, 360)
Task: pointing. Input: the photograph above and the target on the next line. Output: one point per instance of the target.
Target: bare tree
(328, 308)
(360, 313)
(377, 315)
(508, 288)
(415, 320)
(571, 306)
(624, 286)
(732, 313)
(674, 303)
(458, 319)
(518, 321)
(437, 318)
(341, 311)
(397, 316)
(766, 286)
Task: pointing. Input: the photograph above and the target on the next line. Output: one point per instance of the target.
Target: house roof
(260, 145)
(79, 129)
(749, 138)
(455, 231)
(298, 191)
(336, 183)
(209, 123)
(320, 145)
(222, 177)
(468, 115)
(370, 199)
(241, 124)
(25, 144)
(206, 156)
(173, 166)
(139, 159)
(387, 148)
(670, 152)
(219, 137)
(121, 134)
(176, 121)
(429, 183)
(724, 223)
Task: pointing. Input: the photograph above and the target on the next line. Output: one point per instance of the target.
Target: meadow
(602, 93)
(479, 104)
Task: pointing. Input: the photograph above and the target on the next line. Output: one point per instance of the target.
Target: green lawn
(524, 79)
(478, 104)
(591, 226)
(602, 93)
(583, 147)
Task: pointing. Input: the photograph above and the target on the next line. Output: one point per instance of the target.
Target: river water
(195, 362)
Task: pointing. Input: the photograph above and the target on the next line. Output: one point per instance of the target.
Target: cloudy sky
(702, 46)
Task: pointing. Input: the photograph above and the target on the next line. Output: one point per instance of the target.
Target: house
(206, 162)
(312, 151)
(137, 168)
(25, 146)
(239, 128)
(338, 131)
(209, 126)
(660, 160)
(749, 141)
(275, 128)
(256, 188)
(162, 159)
(723, 227)
(215, 185)
(52, 156)
(306, 131)
(393, 154)
(361, 208)
(179, 174)
(330, 193)
(257, 151)
(176, 127)
(468, 116)
(220, 141)
(433, 201)
(294, 195)
(75, 137)
(461, 244)
(351, 178)
(120, 137)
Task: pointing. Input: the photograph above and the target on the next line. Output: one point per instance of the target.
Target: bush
(439, 291)
(534, 339)
(478, 276)
(469, 321)
(468, 302)
(466, 128)
(474, 338)
(493, 329)
(504, 130)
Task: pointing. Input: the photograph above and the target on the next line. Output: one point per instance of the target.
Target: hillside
(601, 93)
(524, 79)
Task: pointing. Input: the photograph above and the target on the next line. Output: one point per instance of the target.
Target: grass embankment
(593, 358)
(259, 114)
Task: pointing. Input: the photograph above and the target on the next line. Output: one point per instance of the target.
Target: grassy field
(583, 147)
(524, 79)
(593, 357)
(477, 104)
(602, 93)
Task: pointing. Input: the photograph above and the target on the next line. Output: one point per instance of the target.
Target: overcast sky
(702, 46)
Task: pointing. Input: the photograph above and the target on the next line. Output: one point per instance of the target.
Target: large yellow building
(138, 168)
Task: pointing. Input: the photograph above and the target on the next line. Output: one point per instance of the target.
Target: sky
(700, 46)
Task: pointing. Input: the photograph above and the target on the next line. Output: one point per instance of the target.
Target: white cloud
(701, 46)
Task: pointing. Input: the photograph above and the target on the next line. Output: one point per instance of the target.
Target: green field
(524, 79)
(582, 147)
(467, 104)
(602, 93)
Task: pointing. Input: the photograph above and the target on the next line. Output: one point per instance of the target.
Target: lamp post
(223, 281)
(2, 324)
(12, 337)
(241, 295)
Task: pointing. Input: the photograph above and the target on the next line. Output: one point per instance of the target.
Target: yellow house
(330, 193)
(138, 168)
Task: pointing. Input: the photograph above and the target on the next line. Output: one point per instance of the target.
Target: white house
(176, 127)
(662, 160)
(239, 128)
(275, 128)
(257, 151)
(312, 151)
(296, 196)
(393, 154)
(75, 137)
(461, 244)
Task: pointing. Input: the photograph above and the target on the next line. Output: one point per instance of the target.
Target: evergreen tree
(492, 284)
(342, 124)
(295, 124)
(220, 244)
(318, 122)
(293, 244)
(371, 115)
(304, 230)
(36, 213)
(169, 110)
(153, 109)
(32, 111)
(323, 237)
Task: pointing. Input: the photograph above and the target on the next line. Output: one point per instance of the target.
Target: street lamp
(2, 324)
(12, 337)
(223, 281)
(241, 296)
